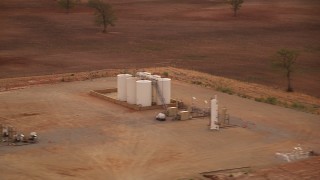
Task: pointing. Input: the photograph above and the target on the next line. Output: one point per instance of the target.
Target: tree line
(105, 16)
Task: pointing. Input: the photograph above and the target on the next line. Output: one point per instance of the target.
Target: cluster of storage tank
(142, 89)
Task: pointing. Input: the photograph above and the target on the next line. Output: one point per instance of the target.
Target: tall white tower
(214, 114)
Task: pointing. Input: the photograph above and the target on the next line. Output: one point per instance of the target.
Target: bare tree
(104, 13)
(286, 60)
(236, 4)
(67, 4)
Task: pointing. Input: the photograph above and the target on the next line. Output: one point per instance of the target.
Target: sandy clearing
(88, 138)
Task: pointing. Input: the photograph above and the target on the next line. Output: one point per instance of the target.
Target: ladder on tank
(159, 94)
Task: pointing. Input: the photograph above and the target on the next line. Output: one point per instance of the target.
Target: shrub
(165, 74)
(269, 100)
(196, 82)
(297, 105)
(225, 90)
(243, 96)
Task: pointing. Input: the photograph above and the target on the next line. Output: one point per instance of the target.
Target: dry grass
(253, 91)
(247, 90)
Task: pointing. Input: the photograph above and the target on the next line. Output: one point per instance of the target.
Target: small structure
(161, 117)
(172, 111)
(9, 136)
(184, 115)
(296, 154)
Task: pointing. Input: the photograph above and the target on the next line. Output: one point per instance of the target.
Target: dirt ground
(88, 138)
(253, 91)
(37, 38)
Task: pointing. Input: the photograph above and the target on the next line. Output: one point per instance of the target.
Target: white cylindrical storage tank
(131, 90)
(122, 86)
(165, 89)
(143, 93)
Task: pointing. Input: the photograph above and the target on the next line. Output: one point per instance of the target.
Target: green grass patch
(298, 106)
(225, 90)
(295, 105)
(303, 107)
(269, 100)
(165, 74)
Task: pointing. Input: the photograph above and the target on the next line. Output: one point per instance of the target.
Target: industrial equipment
(10, 136)
(161, 117)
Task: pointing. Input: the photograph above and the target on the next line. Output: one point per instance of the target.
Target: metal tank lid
(164, 79)
(143, 81)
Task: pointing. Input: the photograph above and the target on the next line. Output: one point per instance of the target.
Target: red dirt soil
(39, 38)
(83, 137)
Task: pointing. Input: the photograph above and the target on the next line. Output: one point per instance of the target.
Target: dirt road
(87, 138)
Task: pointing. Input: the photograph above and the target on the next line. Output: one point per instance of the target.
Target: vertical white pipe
(214, 114)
